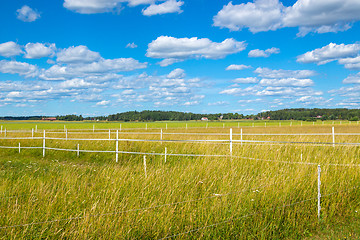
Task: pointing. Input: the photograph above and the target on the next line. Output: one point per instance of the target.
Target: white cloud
(78, 83)
(246, 80)
(103, 103)
(352, 79)
(242, 91)
(39, 50)
(219, 103)
(169, 6)
(311, 100)
(285, 82)
(237, 67)
(21, 68)
(104, 6)
(263, 53)
(100, 67)
(176, 73)
(329, 53)
(351, 63)
(322, 15)
(269, 73)
(133, 3)
(178, 49)
(250, 100)
(27, 14)
(92, 6)
(261, 15)
(319, 16)
(191, 103)
(131, 45)
(78, 54)
(10, 49)
(169, 61)
(288, 91)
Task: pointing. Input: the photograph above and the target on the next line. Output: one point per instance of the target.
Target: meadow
(260, 191)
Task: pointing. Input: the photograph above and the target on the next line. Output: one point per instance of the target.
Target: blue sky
(99, 57)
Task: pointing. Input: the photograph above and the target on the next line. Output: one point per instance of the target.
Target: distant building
(49, 119)
(204, 119)
(319, 116)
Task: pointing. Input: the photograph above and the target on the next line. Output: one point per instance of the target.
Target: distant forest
(303, 114)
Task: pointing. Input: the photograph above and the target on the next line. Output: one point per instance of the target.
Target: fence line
(182, 141)
(183, 155)
(106, 131)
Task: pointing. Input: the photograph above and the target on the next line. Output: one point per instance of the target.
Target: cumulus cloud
(191, 103)
(310, 100)
(169, 61)
(39, 50)
(178, 49)
(92, 6)
(237, 67)
(293, 82)
(352, 79)
(21, 68)
(322, 16)
(27, 14)
(176, 73)
(261, 15)
(78, 54)
(319, 16)
(10, 49)
(269, 73)
(218, 103)
(263, 53)
(169, 6)
(104, 6)
(103, 103)
(78, 83)
(351, 63)
(329, 53)
(284, 83)
(288, 91)
(131, 45)
(165, 90)
(100, 67)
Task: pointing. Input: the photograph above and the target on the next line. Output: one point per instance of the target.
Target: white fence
(230, 141)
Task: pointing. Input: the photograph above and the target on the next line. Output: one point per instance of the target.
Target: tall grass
(92, 197)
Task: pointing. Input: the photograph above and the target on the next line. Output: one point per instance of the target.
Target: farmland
(265, 188)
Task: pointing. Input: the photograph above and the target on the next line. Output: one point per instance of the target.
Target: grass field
(241, 196)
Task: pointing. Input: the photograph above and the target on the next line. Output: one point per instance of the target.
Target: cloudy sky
(98, 57)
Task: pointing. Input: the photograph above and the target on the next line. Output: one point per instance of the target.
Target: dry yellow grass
(92, 197)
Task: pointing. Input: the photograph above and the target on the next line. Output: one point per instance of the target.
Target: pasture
(261, 182)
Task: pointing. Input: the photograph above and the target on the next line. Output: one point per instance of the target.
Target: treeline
(71, 117)
(22, 118)
(169, 116)
(305, 114)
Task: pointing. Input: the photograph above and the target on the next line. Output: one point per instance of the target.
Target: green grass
(10, 125)
(92, 197)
